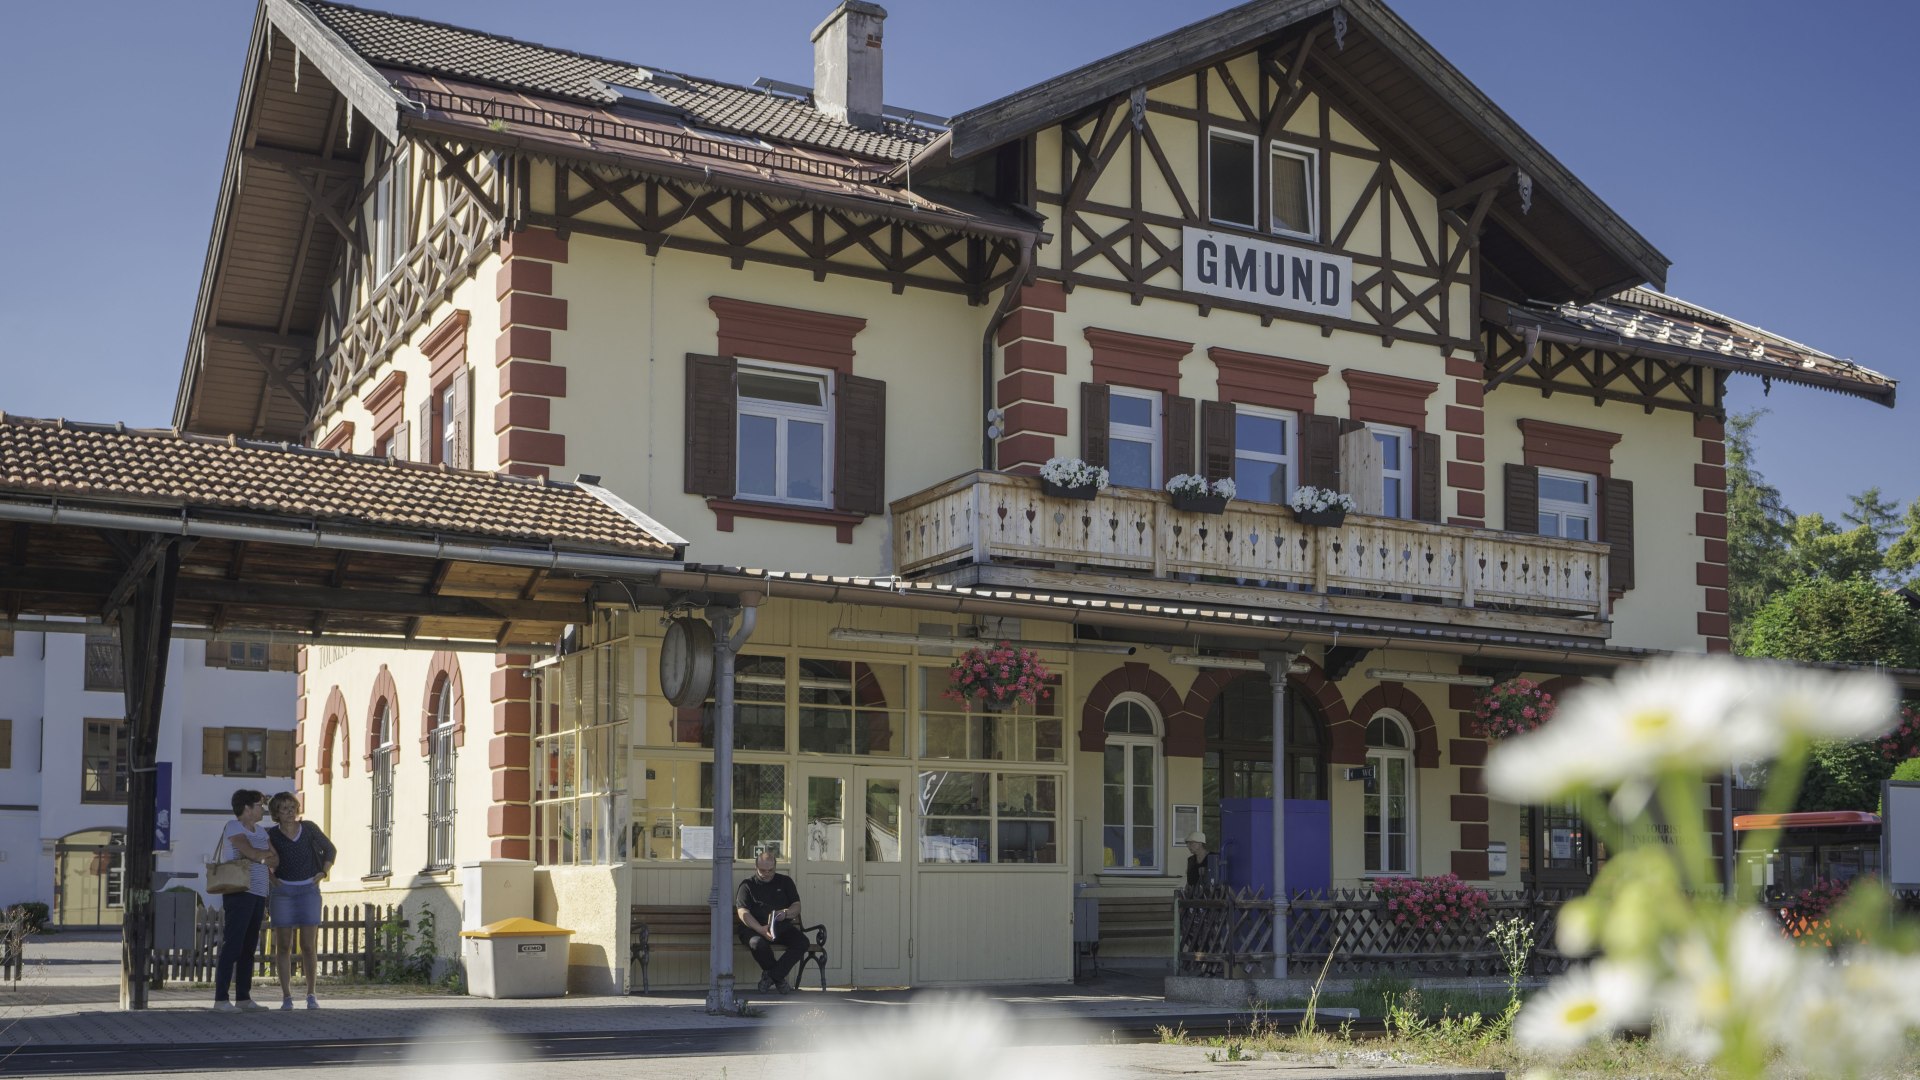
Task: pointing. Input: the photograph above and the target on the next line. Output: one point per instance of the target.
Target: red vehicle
(1833, 845)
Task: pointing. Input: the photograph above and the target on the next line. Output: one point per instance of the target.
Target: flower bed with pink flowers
(1430, 903)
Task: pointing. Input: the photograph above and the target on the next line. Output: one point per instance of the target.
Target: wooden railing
(349, 944)
(987, 517)
(1350, 932)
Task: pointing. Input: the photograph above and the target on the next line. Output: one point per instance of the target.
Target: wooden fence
(1226, 932)
(350, 944)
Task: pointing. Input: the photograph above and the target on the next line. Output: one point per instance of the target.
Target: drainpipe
(1000, 313)
(726, 643)
(1278, 664)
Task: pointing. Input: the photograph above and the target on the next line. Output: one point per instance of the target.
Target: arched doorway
(1238, 763)
(89, 875)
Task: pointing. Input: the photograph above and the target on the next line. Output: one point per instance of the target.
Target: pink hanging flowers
(998, 675)
(1904, 741)
(1514, 707)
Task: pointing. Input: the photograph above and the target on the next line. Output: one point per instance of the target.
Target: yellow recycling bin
(516, 958)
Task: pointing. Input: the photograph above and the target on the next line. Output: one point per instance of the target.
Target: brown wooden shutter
(6, 743)
(213, 751)
(462, 419)
(1320, 451)
(1217, 440)
(6, 643)
(1179, 455)
(860, 445)
(1094, 402)
(219, 654)
(281, 657)
(399, 445)
(279, 753)
(712, 416)
(1616, 528)
(1523, 499)
(426, 444)
(1426, 482)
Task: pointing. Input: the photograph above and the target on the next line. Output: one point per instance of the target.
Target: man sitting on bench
(768, 907)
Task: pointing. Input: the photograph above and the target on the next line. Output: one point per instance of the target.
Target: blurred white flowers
(1586, 1003)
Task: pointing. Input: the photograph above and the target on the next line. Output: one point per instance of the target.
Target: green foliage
(1843, 776)
(1758, 524)
(404, 957)
(1849, 621)
(1906, 770)
(1817, 548)
(31, 916)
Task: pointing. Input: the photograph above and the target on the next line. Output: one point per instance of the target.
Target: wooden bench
(1133, 918)
(688, 928)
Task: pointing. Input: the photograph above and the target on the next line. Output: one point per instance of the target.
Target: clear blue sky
(1767, 147)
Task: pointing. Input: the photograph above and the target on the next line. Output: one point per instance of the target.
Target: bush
(1431, 902)
(33, 915)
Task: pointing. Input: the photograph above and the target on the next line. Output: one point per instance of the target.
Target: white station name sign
(1265, 273)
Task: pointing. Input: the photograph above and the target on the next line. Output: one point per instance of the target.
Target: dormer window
(1290, 206)
(392, 229)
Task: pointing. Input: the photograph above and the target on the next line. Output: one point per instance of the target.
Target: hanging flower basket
(990, 677)
(1192, 493)
(1319, 506)
(1514, 707)
(1061, 491)
(1326, 518)
(1072, 478)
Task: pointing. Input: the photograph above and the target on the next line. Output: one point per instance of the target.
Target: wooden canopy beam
(145, 618)
(308, 597)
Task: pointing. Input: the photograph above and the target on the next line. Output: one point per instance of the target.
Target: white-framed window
(1388, 809)
(990, 817)
(1569, 504)
(447, 435)
(1291, 175)
(1263, 453)
(785, 434)
(1130, 786)
(440, 773)
(1396, 469)
(380, 823)
(583, 707)
(1233, 183)
(246, 752)
(391, 226)
(1133, 437)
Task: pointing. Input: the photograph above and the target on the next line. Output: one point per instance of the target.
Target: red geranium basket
(996, 676)
(1514, 707)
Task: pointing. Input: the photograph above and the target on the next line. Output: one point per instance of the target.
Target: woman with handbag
(305, 857)
(243, 838)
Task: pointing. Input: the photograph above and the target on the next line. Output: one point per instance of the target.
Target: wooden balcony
(989, 527)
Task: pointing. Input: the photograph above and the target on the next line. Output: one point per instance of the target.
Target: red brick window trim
(1272, 382)
(1145, 363)
(446, 347)
(340, 438)
(386, 403)
(1374, 398)
(786, 335)
(1562, 446)
(843, 521)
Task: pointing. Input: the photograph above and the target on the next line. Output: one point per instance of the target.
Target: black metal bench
(688, 928)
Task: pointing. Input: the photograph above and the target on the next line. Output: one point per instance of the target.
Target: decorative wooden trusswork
(986, 517)
(457, 197)
(1649, 382)
(1226, 932)
(1133, 174)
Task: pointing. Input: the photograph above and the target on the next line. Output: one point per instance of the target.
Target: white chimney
(846, 63)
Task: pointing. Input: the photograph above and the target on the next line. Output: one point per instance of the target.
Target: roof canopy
(313, 545)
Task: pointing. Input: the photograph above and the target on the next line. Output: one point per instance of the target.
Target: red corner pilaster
(510, 814)
(1029, 360)
(530, 315)
(1466, 427)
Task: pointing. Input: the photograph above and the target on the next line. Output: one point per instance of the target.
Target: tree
(1758, 529)
(1850, 621)
(1817, 548)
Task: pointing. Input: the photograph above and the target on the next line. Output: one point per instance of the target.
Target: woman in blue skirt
(305, 857)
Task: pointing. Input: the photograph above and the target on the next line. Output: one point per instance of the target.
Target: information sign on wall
(1265, 273)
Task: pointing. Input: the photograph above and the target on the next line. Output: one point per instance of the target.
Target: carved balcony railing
(983, 518)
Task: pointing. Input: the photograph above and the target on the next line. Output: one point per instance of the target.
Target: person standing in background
(243, 838)
(305, 857)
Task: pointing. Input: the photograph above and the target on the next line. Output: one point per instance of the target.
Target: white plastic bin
(516, 958)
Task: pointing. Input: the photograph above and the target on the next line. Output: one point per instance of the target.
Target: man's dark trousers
(790, 939)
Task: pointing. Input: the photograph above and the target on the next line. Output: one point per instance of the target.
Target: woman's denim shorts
(295, 905)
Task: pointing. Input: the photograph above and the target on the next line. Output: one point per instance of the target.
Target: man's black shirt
(763, 898)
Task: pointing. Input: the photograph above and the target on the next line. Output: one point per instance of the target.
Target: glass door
(850, 864)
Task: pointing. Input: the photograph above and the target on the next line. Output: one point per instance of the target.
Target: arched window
(1388, 812)
(1239, 755)
(1131, 786)
(384, 753)
(440, 722)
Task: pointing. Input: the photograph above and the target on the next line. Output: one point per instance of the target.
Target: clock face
(686, 662)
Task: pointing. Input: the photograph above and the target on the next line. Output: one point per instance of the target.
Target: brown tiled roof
(158, 468)
(418, 45)
(1644, 321)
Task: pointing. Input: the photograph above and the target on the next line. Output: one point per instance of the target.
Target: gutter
(262, 637)
(600, 565)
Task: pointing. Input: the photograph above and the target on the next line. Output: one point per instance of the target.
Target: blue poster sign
(163, 806)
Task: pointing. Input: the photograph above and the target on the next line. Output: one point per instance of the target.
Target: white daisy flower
(1784, 700)
(1583, 1005)
(1751, 982)
(1853, 1017)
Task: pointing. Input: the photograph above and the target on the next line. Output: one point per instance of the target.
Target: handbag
(231, 876)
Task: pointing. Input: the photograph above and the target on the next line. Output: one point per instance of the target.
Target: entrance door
(1561, 852)
(89, 868)
(852, 869)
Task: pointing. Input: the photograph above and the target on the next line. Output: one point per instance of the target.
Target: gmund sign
(1265, 273)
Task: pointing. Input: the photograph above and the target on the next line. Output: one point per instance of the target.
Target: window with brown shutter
(1320, 451)
(213, 751)
(462, 419)
(1426, 480)
(219, 654)
(860, 445)
(282, 657)
(1093, 423)
(1216, 439)
(1523, 499)
(6, 643)
(279, 753)
(1179, 451)
(1616, 528)
(711, 424)
(6, 743)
